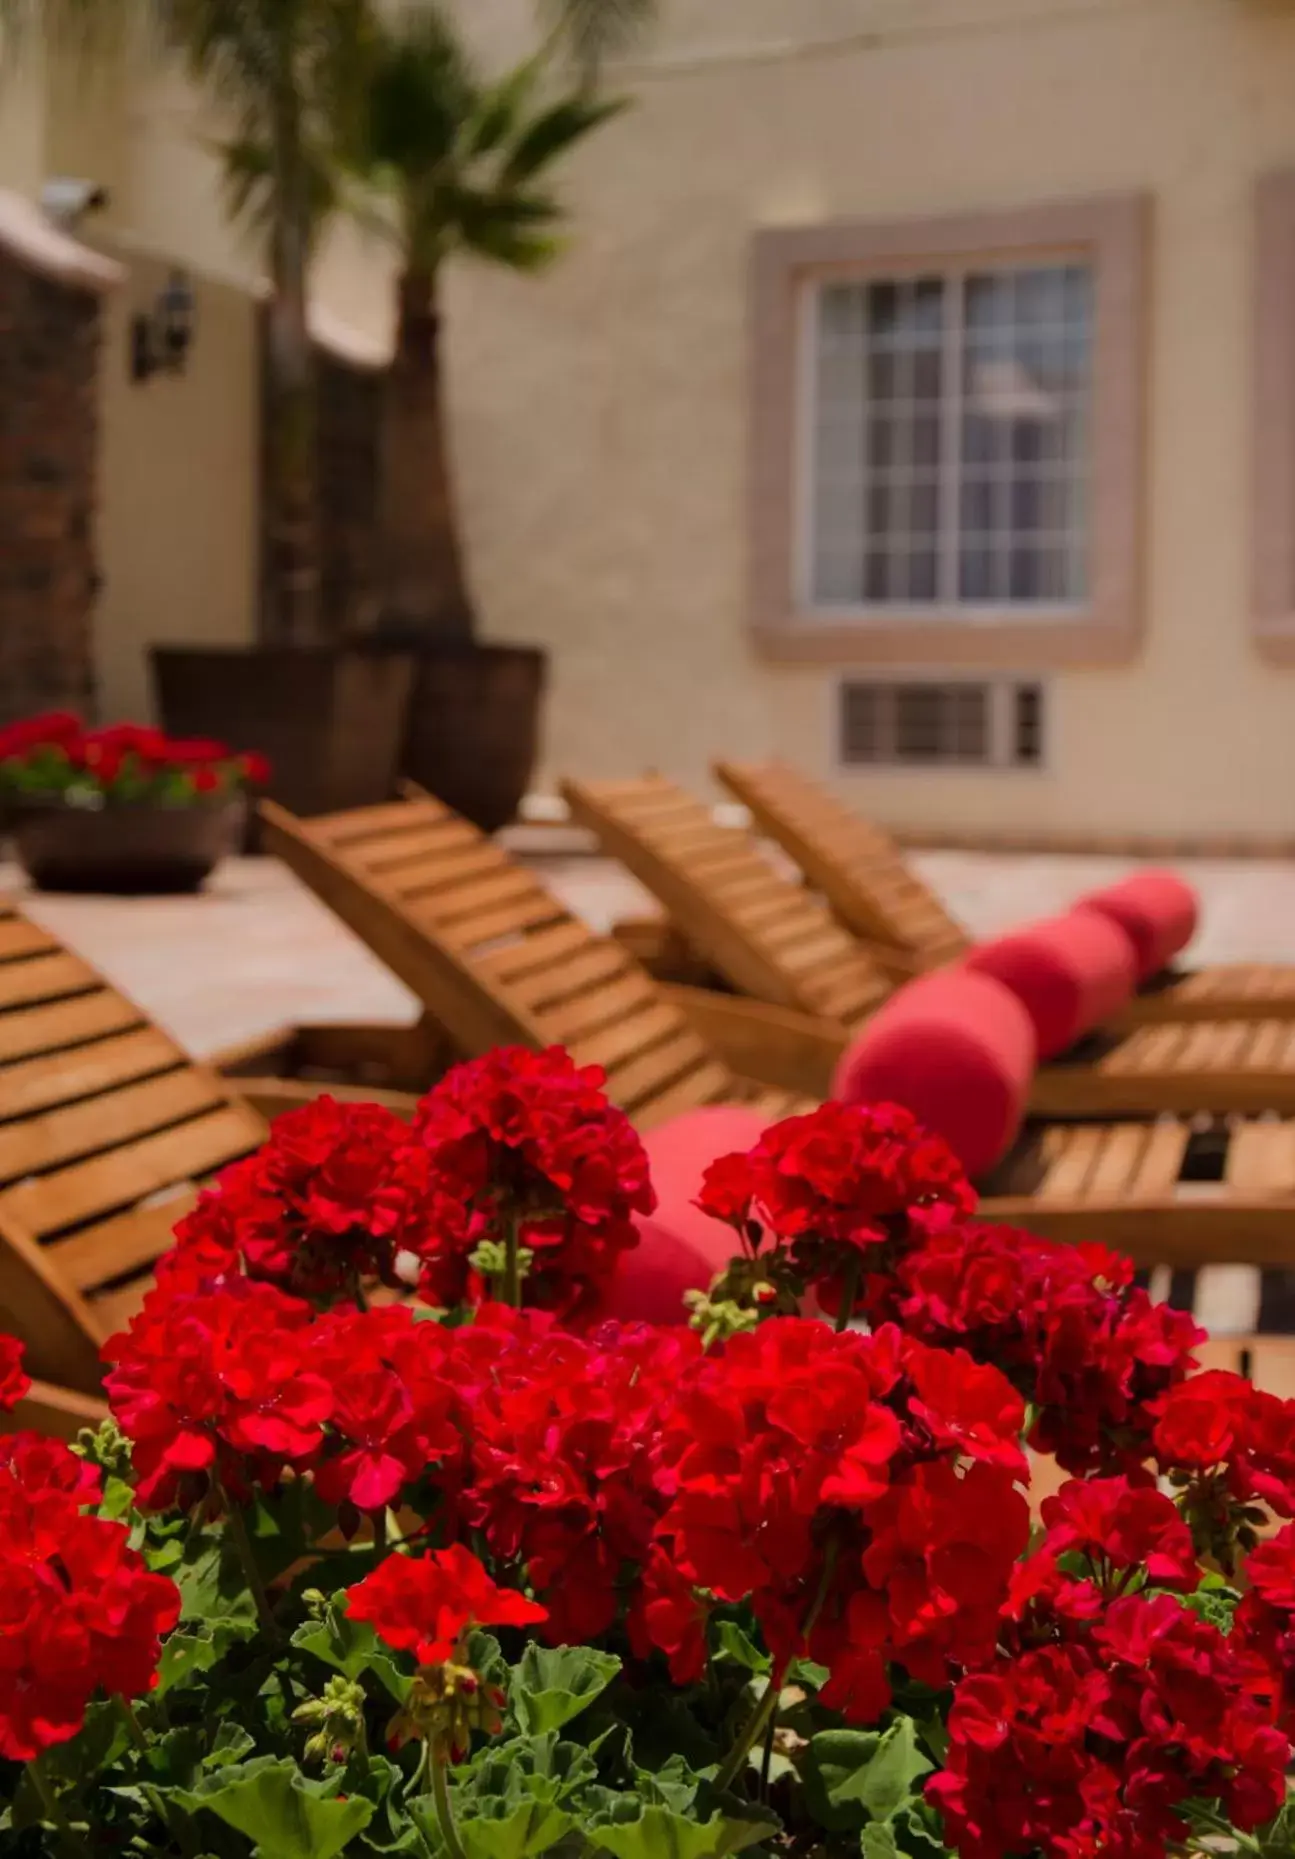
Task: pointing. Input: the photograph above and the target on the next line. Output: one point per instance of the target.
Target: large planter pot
(131, 848)
(473, 732)
(330, 720)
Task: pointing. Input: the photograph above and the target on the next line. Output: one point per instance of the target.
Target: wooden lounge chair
(875, 893)
(496, 959)
(107, 1127)
(771, 938)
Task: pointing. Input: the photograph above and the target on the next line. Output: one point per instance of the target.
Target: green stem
(512, 1283)
(754, 1728)
(134, 1729)
(444, 1812)
(380, 1533)
(849, 1291)
(247, 1556)
(68, 1838)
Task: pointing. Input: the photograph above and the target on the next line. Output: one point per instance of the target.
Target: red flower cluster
(859, 1492)
(128, 760)
(216, 1384)
(529, 1137)
(427, 1604)
(78, 1608)
(833, 1187)
(329, 1202)
(1265, 1622)
(1088, 1349)
(562, 1480)
(1091, 1744)
(14, 1381)
(1228, 1446)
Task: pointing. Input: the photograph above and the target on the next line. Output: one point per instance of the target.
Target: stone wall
(49, 350)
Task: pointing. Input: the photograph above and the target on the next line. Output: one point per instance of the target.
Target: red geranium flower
(426, 1604)
(834, 1187)
(330, 1200)
(531, 1137)
(14, 1382)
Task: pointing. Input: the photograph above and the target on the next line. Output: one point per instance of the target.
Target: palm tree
(593, 30)
(463, 164)
(288, 72)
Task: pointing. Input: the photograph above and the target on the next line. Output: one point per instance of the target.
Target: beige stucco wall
(600, 413)
(179, 468)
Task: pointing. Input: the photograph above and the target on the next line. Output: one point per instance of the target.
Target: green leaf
(877, 1841)
(351, 1647)
(731, 1643)
(660, 1834)
(273, 1804)
(854, 1776)
(190, 1651)
(554, 1684)
(532, 1827)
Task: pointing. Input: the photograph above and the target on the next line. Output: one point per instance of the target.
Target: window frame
(787, 267)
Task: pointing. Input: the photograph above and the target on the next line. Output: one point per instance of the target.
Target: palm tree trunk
(292, 593)
(422, 584)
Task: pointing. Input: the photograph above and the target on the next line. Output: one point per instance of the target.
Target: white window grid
(966, 507)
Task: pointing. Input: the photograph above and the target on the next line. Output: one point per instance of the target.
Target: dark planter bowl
(473, 734)
(134, 849)
(330, 720)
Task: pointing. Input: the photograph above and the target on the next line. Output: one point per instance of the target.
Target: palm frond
(594, 30)
(555, 130)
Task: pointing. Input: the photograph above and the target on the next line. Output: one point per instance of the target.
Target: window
(921, 723)
(950, 459)
(946, 431)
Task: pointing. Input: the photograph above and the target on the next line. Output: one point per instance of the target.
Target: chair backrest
(763, 931)
(106, 1128)
(855, 864)
(492, 954)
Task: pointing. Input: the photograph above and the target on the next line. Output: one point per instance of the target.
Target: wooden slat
(61, 1077)
(1069, 1173)
(357, 824)
(103, 1123)
(20, 937)
(538, 953)
(648, 1075)
(629, 1036)
(67, 1023)
(531, 912)
(1261, 1159)
(603, 1006)
(127, 1243)
(43, 978)
(1161, 1162)
(1119, 1160)
(114, 1310)
(480, 899)
(440, 873)
(52, 1203)
(597, 966)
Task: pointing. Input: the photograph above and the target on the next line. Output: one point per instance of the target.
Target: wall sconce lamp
(160, 338)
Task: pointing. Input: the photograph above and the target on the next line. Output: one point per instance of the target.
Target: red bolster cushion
(1069, 973)
(1157, 910)
(680, 1248)
(957, 1050)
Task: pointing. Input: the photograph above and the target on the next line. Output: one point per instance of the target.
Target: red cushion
(1069, 973)
(1157, 910)
(680, 1248)
(955, 1048)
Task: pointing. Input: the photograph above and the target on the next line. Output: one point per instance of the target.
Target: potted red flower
(122, 809)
